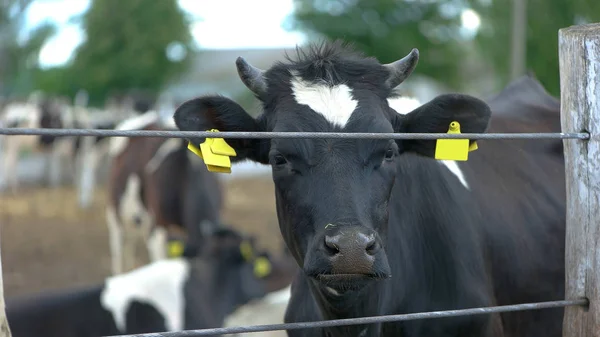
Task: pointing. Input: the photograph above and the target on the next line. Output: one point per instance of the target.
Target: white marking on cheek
(169, 146)
(159, 284)
(118, 144)
(455, 169)
(403, 105)
(335, 103)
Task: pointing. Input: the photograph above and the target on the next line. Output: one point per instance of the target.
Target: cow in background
(269, 309)
(156, 187)
(39, 111)
(168, 295)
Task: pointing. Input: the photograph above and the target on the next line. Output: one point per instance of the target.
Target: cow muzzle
(347, 257)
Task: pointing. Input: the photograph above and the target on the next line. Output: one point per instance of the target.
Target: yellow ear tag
(175, 248)
(262, 267)
(452, 149)
(216, 153)
(246, 251)
(220, 146)
(196, 150)
(473, 146)
(213, 159)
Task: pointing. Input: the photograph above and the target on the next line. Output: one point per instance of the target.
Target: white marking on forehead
(403, 105)
(455, 169)
(159, 284)
(335, 103)
(118, 144)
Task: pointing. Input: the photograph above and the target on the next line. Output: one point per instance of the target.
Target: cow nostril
(373, 247)
(331, 245)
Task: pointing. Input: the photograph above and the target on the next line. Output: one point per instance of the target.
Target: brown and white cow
(155, 187)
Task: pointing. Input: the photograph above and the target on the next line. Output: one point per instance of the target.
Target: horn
(401, 69)
(252, 77)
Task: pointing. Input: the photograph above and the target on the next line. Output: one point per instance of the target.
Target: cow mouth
(342, 283)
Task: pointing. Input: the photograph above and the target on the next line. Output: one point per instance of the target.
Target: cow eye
(279, 160)
(389, 154)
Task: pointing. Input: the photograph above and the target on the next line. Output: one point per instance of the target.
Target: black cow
(381, 227)
(166, 295)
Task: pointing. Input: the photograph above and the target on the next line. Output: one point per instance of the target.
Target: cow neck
(433, 230)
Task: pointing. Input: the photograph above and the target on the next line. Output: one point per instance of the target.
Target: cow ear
(221, 113)
(471, 113)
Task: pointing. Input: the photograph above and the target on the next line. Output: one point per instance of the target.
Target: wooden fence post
(579, 54)
(4, 328)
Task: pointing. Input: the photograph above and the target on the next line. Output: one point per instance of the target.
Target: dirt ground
(49, 243)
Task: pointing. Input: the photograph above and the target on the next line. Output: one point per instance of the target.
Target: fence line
(267, 135)
(365, 320)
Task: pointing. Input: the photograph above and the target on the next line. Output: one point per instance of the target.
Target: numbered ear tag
(452, 149)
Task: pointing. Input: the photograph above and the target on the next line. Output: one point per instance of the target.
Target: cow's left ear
(221, 113)
(471, 113)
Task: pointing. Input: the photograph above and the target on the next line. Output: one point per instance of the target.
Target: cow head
(332, 194)
(239, 269)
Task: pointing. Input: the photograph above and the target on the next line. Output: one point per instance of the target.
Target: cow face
(236, 265)
(332, 195)
(51, 118)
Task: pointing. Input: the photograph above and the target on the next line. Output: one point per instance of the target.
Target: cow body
(382, 227)
(153, 189)
(168, 295)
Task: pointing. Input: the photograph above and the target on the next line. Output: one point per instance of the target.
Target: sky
(220, 27)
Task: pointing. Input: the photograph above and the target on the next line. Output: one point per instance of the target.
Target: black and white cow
(167, 295)
(382, 227)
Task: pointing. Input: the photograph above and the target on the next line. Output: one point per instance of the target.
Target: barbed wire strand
(266, 135)
(365, 320)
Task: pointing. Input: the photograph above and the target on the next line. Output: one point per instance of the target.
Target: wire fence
(320, 135)
(252, 134)
(366, 320)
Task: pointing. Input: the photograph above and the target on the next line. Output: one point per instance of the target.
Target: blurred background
(173, 50)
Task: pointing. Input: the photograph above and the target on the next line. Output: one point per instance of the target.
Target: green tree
(544, 19)
(389, 29)
(18, 57)
(126, 46)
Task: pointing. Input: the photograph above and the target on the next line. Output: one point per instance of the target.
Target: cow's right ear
(223, 114)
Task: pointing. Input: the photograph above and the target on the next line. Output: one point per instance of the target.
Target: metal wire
(250, 134)
(365, 320)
